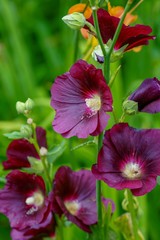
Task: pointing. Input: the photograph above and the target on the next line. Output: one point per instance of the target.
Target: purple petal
(18, 152)
(41, 137)
(70, 92)
(13, 197)
(129, 158)
(147, 96)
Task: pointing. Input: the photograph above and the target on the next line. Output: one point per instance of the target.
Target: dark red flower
(129, 158)
(37, 231)
(147, 95)
(81, 99)
(23, 200)
(74, 195)
(130, 36)
(19, 150)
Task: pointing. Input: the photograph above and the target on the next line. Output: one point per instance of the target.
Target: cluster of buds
(25, 107)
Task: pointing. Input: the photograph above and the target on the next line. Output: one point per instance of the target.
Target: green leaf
(13, 135)
(55, 152)
(36, 165)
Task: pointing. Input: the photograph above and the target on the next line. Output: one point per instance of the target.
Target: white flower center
(94, 103)
(132, 171)
(72, 206)
(36, 201)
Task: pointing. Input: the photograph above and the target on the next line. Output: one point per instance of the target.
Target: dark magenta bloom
(19, 150)
(147, 95)
(23, 200)
(81, 99)
(74, 195)
(129, 158)
(36, 232)
(130, 36)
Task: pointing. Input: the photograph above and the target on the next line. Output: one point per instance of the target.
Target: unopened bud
(75, 20)
(43, 151)
(26, 131)
(29, 104)
(29, 121)
(130, 107)
(20, 107)
(97, 54)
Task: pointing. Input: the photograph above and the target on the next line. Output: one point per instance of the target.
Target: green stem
(116, 35)
(98, 196)
(133, 214)
(98, 34)
(43, 158)
(76, 46)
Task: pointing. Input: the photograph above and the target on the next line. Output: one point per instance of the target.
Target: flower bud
(97, 54)
(26, 131)
(20, 107)
(75, 20)
(29, 121)
(130, 107)
(29, 104)
(43, 151)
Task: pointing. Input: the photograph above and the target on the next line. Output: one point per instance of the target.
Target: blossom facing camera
(74, 195)
(129, 158)
(81, 99)
(129, 36)
(147, 95)
(19, 150)
(23, 200)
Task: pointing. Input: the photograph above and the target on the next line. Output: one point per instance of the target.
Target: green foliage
(35, 47)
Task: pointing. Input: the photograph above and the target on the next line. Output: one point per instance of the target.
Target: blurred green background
(35, 47)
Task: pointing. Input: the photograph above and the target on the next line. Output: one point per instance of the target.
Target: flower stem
(98, 196)
(98, 34)
(116, 35)
(133, 214)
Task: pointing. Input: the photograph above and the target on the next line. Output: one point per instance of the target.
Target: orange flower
(82, 8)
(118, 11)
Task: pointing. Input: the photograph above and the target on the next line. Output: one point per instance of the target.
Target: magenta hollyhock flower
(74, 195)
(23, 200)
(147, 95)
(81, 99)
(129, 36)
(36, 232)
(129, 158)
(19, 150)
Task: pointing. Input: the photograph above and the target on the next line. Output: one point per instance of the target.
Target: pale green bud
(75, 20)
(43, 151)
(130, 107)
(20, 107)
(26, 131)
(29, 104)
(97, 54)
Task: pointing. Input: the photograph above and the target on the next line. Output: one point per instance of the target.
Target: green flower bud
(20, 107)
(130, 107)
(26, 131)
(29, 104)
(43, 151)
(75, 20)
(97, 54)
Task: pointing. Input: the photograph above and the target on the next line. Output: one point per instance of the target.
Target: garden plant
(80, 147)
